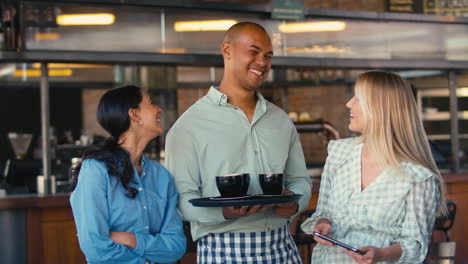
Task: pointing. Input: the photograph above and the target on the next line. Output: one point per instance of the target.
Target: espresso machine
(20, 172)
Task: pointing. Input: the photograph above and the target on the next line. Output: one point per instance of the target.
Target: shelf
(445, 137)
(317, 126)
(443, 116)
(443, 92)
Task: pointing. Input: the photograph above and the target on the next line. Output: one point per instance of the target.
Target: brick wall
(326, 102)
(187, 97)
(91, 99)
(321, 102)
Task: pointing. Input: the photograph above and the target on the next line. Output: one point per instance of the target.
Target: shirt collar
(216, 96)
(220, 98)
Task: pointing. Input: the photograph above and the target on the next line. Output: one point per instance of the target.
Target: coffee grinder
(20, 172)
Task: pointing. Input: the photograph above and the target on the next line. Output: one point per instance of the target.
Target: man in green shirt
(233, 129)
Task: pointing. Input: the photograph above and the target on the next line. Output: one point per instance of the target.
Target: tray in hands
(257, 199)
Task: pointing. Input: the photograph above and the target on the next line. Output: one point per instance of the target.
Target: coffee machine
(20, 172)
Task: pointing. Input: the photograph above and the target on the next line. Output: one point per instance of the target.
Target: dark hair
(112, 115)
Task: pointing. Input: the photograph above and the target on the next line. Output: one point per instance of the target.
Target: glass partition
(21, 73)
(375, 40)
(189, 31)
(92, 28)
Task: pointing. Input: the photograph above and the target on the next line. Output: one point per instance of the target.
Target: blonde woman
(380, 192)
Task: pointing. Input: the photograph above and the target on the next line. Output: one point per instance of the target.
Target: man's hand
(235, 212)
(125, 238)
(286, 210)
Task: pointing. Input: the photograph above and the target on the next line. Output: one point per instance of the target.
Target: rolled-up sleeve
(91, 213)
(169, 245)
(181, 161)
(421, 207)
(297, 179)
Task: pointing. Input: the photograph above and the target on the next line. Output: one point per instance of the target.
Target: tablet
(336, 242)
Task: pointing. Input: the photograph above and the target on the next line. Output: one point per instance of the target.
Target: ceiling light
(46, 36)
(312, 27)
(37, 65)
(318, 49)
(462, 92)
(204, 25)
(8, 69)
(37, 73)
(86, 19)
(171, 50)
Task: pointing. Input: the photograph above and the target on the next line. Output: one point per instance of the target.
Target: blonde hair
(393, 130)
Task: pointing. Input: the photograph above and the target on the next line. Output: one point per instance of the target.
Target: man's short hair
(238, 27)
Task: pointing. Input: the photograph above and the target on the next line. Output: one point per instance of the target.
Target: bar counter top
(34, 201)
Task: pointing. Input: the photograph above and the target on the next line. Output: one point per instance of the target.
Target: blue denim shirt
(100, 206)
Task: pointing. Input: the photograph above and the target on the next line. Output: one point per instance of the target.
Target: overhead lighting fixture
(204, 25)
(37, 73)
(318, 49)
(8, 69)
(37, 65)
(462, 92)
(86, 19)
(171, 50)
(312, 27)
(46, 36)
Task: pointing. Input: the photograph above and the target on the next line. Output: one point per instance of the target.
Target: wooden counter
(34, 201)
(457, 191)
(51, 232)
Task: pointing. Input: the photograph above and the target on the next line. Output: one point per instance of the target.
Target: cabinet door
(52, 237)
(61, 243)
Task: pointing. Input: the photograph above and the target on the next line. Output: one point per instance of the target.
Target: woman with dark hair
(124, 204)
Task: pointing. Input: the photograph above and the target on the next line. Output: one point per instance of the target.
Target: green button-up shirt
(214, 137)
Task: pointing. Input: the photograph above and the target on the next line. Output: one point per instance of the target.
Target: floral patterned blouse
(399, 206)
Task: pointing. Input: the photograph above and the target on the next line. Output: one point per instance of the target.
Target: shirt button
(140, 189)
(144, 206)
(146, 227)
(144, 173)
(256, 152)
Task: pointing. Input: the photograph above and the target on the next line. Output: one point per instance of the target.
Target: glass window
(200, 32)
(100, 28)
(375, 40)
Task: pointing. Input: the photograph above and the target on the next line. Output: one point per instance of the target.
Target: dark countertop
(34, 200)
